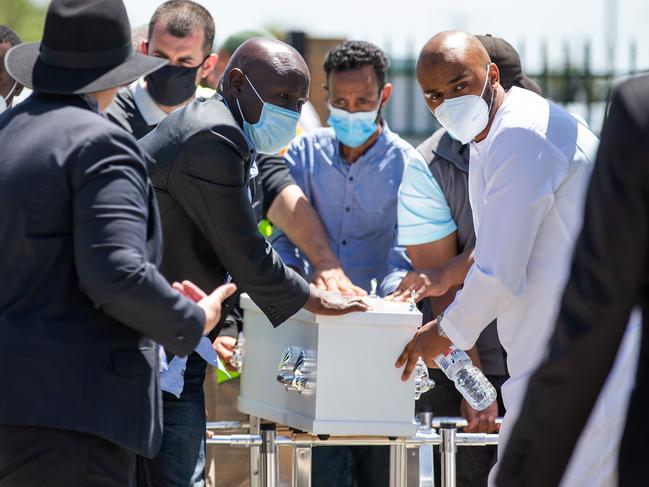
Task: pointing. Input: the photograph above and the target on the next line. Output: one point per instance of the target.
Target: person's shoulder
(205, 122)
(322, 138)
(123, 108)
(404, 151)
(633, 95)
(211, 119)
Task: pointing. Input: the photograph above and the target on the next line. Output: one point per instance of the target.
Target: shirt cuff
(425, 233)
(457, 332)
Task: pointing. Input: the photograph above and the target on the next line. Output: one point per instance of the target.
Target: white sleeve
(521, 172)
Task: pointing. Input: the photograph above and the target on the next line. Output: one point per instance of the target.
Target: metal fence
(572, 83)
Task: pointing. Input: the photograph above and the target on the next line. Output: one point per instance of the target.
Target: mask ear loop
(256, 93)
(11, 91)
(491, 102)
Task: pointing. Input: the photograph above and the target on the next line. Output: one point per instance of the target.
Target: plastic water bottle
(469, 380)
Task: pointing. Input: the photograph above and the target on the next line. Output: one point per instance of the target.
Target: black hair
(8, 36)
(355, 54)
(181, 18)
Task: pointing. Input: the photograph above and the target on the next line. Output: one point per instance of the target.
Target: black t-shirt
(125, 113)
(273, 177)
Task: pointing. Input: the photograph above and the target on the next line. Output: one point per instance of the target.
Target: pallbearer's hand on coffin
(328, 303)
(211, 303)
(424, 283)
(331, 277)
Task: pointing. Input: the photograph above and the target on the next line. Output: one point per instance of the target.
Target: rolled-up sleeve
(111, 221)
(520, 171)
(423, 212)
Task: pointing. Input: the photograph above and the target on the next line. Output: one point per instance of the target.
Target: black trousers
(37, 457)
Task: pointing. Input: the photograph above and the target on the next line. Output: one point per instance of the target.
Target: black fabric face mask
(171, 85)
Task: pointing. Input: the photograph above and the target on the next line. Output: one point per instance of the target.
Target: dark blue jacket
(81, 300)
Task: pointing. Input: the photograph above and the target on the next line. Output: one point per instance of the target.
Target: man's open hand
(328, 303)
(211, 303)
(333, 278)
(425, 283)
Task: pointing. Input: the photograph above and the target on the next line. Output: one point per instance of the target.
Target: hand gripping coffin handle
(237, 353)
(423, 383)
(297, 370)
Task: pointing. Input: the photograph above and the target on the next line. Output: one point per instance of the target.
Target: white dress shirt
(527, 183)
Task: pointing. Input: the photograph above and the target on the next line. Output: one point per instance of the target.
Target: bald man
(529, 166)
(204, 159)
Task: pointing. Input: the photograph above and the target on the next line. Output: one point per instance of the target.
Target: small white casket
(331, 375)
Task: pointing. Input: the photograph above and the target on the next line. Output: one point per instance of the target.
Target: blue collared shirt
(356, 202)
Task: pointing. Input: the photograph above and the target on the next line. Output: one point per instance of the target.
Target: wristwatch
(440, 330)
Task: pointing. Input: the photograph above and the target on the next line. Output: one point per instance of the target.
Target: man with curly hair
(351, 172)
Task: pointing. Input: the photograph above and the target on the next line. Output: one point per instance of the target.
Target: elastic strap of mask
(240, 112)
(253, 88)
(11, 91)
(485, 86)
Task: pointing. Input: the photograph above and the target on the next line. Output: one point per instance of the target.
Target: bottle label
(452, 360)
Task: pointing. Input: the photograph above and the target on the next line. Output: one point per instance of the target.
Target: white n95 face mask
(466, 116)
(3, 100)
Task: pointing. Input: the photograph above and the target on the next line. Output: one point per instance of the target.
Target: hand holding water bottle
(455, 363)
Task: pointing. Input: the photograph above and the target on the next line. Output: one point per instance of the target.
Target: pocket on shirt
(129, 363)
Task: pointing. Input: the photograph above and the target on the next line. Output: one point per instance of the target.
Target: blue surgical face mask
(353, 129)
(275, 128)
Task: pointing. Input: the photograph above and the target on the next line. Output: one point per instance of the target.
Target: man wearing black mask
(182, 32)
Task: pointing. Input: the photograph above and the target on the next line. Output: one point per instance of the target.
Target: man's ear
(235, 81)
(494, 74)
(209, 64)
(18, 90)
(144, 46)
(386, 93)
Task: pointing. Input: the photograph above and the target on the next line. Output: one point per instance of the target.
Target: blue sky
(404, 25)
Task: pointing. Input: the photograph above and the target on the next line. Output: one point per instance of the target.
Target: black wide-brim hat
(86, 47)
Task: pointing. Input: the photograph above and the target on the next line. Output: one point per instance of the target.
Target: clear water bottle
(469, 380)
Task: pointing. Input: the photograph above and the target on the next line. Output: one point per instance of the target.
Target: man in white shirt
(529, 167)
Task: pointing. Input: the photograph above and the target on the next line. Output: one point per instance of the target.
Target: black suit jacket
(81, 300)
(610, 272)
(201, 176)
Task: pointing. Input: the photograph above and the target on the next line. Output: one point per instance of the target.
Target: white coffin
(358, 390)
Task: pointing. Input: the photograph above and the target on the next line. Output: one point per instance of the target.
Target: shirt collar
(149, 109)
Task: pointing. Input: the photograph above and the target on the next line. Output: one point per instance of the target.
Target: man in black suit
(82, 304)
(608, 279)
(204, 157)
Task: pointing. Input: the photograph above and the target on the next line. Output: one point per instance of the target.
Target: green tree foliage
(25, 17)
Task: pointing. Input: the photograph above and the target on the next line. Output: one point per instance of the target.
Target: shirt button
(348, 209)
(344, 242)
(351, 178)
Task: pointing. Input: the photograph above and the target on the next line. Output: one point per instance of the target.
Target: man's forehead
(361, 78)
(443, 70)
(162, 35)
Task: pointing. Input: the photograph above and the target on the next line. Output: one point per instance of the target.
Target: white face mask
(3, 100)
(466, 116)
